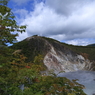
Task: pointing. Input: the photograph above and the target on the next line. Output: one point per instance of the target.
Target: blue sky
(69, 21)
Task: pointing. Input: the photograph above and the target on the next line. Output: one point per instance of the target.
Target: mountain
(91, 45)
(57, 56)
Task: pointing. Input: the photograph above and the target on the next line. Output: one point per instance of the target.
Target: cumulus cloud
(82, 42)
(22, 36)
(61, 19)
(67, 7)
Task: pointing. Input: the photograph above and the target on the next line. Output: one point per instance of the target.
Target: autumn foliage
(18, 77)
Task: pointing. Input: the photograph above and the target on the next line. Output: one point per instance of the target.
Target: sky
(69, 21)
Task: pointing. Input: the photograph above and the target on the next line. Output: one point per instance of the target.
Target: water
(87, 78)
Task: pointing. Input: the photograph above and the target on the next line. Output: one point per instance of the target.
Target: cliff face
(57, 57)
(62, 61)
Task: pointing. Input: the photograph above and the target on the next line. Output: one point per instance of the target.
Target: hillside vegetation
(86, 51)
(21, 65)
(25, 78)
(37, 48)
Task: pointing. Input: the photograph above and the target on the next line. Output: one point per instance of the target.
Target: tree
(8, 25)
(20, 78)
(8, 32)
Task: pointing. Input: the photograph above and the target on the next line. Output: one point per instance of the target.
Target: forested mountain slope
(56, 55)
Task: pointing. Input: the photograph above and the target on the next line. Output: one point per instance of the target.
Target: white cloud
(82, 42)
(62, 20)
(22, 36)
